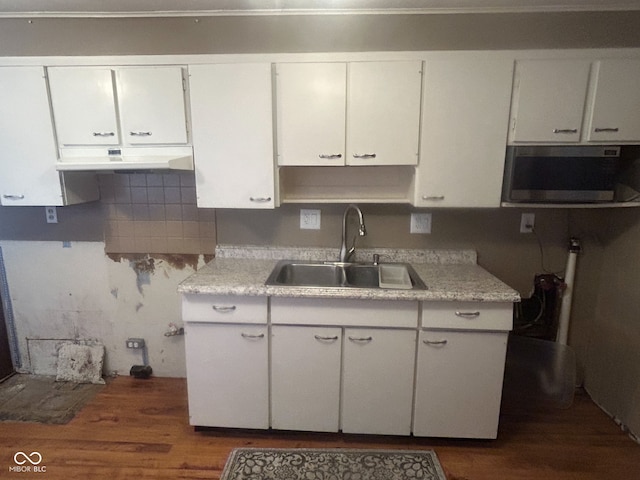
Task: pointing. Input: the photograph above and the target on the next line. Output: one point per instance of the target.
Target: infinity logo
(27, 458)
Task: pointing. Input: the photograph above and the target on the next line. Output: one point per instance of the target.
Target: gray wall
(299, 33)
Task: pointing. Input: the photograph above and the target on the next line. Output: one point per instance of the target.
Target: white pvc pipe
(567, 295)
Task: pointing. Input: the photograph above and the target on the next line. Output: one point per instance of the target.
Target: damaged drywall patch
(145, 265)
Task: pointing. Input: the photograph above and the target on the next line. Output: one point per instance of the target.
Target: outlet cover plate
(52, 214)
(309, 219)
(420, 223)
(527, 222)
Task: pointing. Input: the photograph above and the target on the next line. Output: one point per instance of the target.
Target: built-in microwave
(561, 174)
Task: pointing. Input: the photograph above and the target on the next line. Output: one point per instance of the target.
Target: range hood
(105, 159)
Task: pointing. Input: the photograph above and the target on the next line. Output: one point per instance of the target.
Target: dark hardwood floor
(139, 429)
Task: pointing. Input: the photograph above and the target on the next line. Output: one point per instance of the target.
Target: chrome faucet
(345, 254)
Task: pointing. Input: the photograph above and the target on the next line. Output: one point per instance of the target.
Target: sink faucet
(345, 253)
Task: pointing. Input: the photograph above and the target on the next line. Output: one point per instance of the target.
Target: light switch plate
(309, 219)
(420, 223)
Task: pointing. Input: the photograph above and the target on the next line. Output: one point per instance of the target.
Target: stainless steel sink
(339, 275)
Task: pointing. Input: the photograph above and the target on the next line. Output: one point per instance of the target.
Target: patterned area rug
(331, 464)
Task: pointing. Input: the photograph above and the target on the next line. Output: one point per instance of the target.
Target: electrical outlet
(527, 222)
(135, 342)
(52, 214)
(309, 219)
(420, 223)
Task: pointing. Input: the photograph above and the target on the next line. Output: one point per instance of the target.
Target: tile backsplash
(155, 213)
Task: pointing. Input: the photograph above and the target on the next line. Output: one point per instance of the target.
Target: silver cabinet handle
(330, 156)
(565, 130)
(607, 129)
(224, 309)
(432, 197)
(468, 314)
(321, 338)
(104, 134)
(364, 155)
(13, 197)
(252, 336)
(140, 134)
(260, 199)
(434, 342)
(361, 339)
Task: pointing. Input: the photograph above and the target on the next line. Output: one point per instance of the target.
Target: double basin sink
(345, 275)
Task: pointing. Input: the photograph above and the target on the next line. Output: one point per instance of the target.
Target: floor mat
(38, 398)
(310, 463)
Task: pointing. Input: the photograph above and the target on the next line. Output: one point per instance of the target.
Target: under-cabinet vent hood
(106, 159)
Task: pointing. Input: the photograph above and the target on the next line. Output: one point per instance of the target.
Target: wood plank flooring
(139, 429)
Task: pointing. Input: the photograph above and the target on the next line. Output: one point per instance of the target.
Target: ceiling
(141, 8)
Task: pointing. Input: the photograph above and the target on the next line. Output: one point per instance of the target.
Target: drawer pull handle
(260, 199)
(434, 342)
(252, 336)
(103, 134)
(364, 155)
(432, 197)
(224, 309)
(607, 129)
(140, 134)
(565, 130)
(468, 314)
(321, 338)
(13, 197)
(330, 156)
(361, 339)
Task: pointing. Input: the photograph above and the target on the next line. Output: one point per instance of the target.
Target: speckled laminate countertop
(450, 275)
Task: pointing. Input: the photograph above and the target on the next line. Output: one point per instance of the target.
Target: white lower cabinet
(228, 375)
(459, 383)
(332, 365)
(377, 390)
(305, 378)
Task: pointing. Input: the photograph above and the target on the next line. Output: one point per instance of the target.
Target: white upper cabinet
(311, 113)
(615, 116)
(148, 102)
(83, 101)
(152, 105)
(231, 111)
(383, 113)
(549, 100)
(464, 132)
(28, 175)
(360, 113)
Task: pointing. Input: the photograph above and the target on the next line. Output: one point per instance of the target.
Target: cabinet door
(227, 375)
(233, 135)
(464, 98)
(305, 378)
(152, 105)
(549, 100)
(383, 113)
(28, 174)
(459, 383)
(616, 108)
(83, 105)
(310, 105)
(378, 368)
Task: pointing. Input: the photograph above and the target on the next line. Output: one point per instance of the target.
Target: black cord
(542, 260)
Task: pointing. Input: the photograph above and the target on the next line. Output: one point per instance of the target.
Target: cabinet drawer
(467, 315)
(344, 312)
(224, 309)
